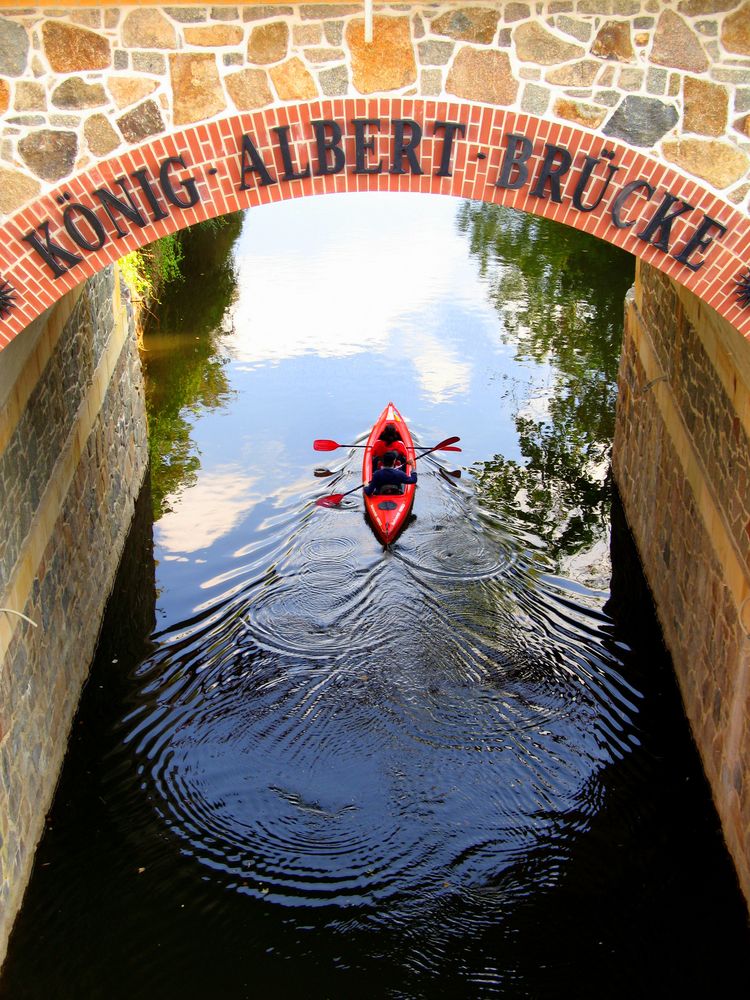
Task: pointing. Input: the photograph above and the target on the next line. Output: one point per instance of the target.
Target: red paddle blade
(333, 500)
(324, 444)
(450, 448)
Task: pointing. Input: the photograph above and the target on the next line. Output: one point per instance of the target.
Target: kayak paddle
(325, 444)
(333, 499)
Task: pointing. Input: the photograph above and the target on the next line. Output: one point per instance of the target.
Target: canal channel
(458, 768)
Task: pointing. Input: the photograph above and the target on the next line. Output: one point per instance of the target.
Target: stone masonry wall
(681, 460)
(670, 77)
(70, 471)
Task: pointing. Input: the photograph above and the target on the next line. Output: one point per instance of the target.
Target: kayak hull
(388, 514)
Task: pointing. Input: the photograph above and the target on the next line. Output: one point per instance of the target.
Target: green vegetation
(155, 266)
(560, 296)
(201, 299)
(182, 355)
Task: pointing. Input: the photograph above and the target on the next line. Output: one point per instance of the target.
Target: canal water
(307, 766)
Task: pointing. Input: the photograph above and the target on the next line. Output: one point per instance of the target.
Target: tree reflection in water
(184, 364)
(559, 293)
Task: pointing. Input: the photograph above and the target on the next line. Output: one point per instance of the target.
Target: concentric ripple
(357, 726)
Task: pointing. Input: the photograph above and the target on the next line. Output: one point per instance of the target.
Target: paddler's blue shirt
(388, 477)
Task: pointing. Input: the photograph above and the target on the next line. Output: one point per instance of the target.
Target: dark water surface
(308, 767)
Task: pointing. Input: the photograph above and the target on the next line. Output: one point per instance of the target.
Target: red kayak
(389, 511)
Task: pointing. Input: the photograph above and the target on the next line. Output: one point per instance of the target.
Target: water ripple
(344, 726)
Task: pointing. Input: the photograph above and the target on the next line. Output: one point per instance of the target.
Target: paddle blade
(324, 444)
(450, 448)
(442, 445)
(333, 500)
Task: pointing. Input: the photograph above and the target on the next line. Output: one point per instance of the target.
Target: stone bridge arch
(625, 118)
(629, 119)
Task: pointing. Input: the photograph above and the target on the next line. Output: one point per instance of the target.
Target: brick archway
(471, 151)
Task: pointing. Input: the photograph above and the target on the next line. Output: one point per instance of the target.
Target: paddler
(389, 440)
(388, 475)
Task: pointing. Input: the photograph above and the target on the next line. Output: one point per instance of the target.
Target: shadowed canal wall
(73, 453)
(682, 463)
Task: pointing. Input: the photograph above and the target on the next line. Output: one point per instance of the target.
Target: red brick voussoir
(565, 173)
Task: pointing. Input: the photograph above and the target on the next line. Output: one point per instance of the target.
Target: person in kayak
(388, 476)
(389, 440)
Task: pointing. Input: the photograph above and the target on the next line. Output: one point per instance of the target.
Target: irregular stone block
(149, 62)
(580, 74)
(737, 76)
(214, 35)
(293, 82)
(641, 121)
(535, 99)
(16, 189)
(535, 44)
(268, 43)
(49, 154)
(262, 11)
(656, 81)
(249, 89)
(334, 82)
(316, 12)
(708, 28)
(224, 13)
(29, 96)
(126, 90)
(484, 76)
(706, 107)
(75, 93)
(469, 24)
(187, 15)
(148, 29)
(578, 29)
(739, 194)
(694, 8)
(324, 55)
(735, 31)
(388, 62)
(516, 12)
(677, 45)
(613, 42)
(307, 34)
(431, 82)
(14, 48)
(435, 53)
(334, 32)
(74, 50)
(5, 96)
(196, 87)
(100, 136)
(587, 115)
(718, 163)
(141, 122)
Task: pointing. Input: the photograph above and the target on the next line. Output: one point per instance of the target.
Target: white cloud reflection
(339, 285)
(207, 511)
